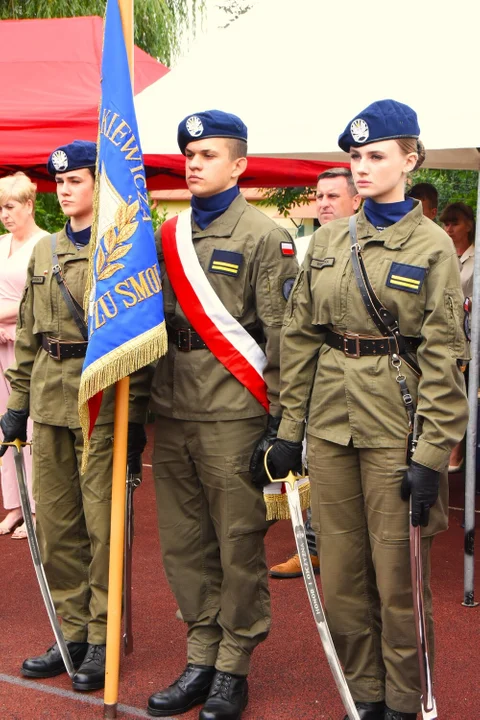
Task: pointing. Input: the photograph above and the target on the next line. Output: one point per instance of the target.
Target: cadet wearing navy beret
(214, 406)
(339, 375)
(382, 120)
(73, 513)
(74, 156)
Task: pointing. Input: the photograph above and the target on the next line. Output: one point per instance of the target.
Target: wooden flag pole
(117, 536)
(117, 525)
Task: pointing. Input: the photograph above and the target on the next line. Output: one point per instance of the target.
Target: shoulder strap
(76, 310)
(383, 318)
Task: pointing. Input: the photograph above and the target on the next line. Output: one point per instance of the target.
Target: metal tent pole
(471, 445)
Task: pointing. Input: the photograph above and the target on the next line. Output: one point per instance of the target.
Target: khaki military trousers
(362, 528)
(73, 525)
(212, 526)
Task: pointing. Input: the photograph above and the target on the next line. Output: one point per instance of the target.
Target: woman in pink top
(17, 214)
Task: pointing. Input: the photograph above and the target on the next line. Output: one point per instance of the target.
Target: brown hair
(425, 191)
(340, 172)
(17, 187)
(238, 148)
(456, 211)
(412, 145)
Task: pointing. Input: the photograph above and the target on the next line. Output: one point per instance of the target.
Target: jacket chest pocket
(328, 278)
(43, 287)
(75, 274)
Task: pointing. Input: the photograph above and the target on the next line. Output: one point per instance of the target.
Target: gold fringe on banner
(276, 502)
(115, 365)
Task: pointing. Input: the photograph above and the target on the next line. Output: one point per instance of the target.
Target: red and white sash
(222, 334)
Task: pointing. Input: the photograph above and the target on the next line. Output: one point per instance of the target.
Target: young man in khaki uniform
(72, 510)
(210, 415)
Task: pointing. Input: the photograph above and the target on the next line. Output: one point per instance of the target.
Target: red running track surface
(289, 677)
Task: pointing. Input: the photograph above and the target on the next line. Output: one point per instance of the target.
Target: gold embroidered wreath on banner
(115, 241)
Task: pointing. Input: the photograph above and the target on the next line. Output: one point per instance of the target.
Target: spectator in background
(459, 223)
(336, 197)
(428, 196)
(17, 214)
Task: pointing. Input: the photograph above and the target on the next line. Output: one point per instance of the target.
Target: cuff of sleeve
(291, 430)
(18, 401)
(430, 455)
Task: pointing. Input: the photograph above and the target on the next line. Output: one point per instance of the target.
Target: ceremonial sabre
(133, 482)
(35, 552)
(312, 590)
(429, 706)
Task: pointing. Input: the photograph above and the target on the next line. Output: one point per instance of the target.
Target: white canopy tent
(296, 71)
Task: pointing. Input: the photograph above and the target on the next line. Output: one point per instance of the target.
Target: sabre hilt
(291, 479)
(19, 444)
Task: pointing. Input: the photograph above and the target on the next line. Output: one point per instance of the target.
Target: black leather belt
(63, 350)
(354, 346)
(186, 339)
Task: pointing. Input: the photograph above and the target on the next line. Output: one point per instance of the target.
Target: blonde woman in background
(17, 215)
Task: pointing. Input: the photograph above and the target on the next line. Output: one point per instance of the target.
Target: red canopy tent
(50, 77)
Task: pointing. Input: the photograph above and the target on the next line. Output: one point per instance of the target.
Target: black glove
(136, 442)
(14, 427)
(422, 484)
(284, 456)
(257, 468)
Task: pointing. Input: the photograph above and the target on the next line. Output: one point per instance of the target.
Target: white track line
(70, 695)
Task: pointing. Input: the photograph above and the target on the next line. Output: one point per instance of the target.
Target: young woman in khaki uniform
(345, 385)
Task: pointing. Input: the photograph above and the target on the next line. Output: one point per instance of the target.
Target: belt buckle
(181, 334)
(351, 336)
(53, 343)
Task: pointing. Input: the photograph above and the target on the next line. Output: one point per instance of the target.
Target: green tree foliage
(451, 185)
(234, 9)
(285, 199)
(48, 213)
(159, 24)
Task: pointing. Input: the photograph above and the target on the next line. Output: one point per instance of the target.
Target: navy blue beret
(74, 156)
(209, 124)
(382, 120)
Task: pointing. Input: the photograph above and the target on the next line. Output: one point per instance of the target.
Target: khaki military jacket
(49, 387)
(195, 385)
(358, 398)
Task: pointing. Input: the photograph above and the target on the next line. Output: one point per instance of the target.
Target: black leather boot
(370, 710)
(228, 697)
(191, 688)
(50, 663)
(91, 673)
(397, 715)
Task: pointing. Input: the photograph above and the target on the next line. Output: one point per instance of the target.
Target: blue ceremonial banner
(126, 325)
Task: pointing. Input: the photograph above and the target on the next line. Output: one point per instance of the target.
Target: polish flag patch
(287, 248)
